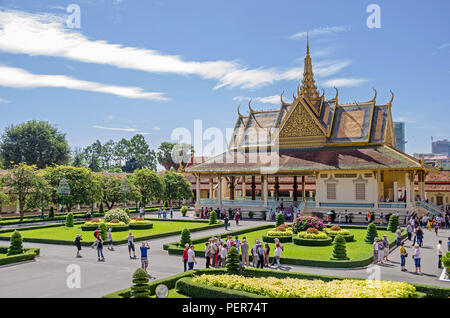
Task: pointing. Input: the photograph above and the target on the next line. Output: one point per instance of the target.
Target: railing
(243, 202)
(301, 207)
(346, 205)
(208, 202)
(392, 205)
(429, 207)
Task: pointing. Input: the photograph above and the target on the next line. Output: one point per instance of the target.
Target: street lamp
(63, 189)
(125, 188)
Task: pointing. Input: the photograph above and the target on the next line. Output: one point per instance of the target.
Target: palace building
(317, 153)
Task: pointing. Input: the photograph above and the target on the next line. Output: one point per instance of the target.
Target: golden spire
(308, 89)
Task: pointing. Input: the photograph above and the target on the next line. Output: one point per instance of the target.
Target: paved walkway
(47, 276)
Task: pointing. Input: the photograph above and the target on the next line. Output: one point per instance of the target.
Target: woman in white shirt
(277, 255)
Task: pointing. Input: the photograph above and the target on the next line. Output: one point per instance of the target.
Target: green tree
(69, 220)
(372, 233)
(107, 154)
(92, 155)
(280, 219)
(185, 237)
(103, 231)
(232, 263)
(149, 185)
(51, 214)
(213, 217)
(176, 187)
(184, 210)
(20, 184)
(77, 159)
(140, 287)
(140, 153)
(164, 155)
(15, 244)
(34, 143)
(339, 248)
(84, 185)
(393, 223)
(111, 189)
(121, 150)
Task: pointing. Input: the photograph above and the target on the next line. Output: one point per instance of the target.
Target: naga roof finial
(337, 92)
(281, 98)
(249, 106)
(239, 113)
(374, 99)
(392, 98)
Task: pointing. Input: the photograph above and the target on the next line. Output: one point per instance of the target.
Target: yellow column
(211, 189)
(244, 189)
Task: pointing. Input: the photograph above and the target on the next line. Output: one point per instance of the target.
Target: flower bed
(138, 224)
(344, 233)
(302, 288)
(312, 239)
(115, 226)
(282, 239)
(305, 222)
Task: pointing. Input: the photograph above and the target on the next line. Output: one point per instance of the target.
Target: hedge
(312, 242)
(271, 239)
(28, 255)
(348, 237)
(140, 226)
(196, 290)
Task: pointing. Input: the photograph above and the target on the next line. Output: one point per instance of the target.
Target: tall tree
(165, 155)
(20, 184)
(92, 155)
(107, 154)
(111, 189)
(149, 185)
(176, 187)
(34, 143)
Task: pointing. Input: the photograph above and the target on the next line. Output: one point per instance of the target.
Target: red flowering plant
(305, 222)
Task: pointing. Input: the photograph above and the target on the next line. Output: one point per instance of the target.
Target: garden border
(28, 255)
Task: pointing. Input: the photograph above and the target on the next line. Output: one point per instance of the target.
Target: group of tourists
(216, 253)
(162, 213)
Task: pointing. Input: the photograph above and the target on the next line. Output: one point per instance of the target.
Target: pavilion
(346, 150)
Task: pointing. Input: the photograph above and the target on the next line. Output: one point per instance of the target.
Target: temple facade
(317, 154)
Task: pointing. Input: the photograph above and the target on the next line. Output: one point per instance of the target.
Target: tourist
(144, 260)
(417, 257)
(436, 225)
(78, 244)
(339, 217)
(171, 213)
(260, 255)
(142, 212)
(110, 240)
(448, 244)
(409, 231)
(266, 255)
(164, 214)
(398, 234)
(237, 244)
(159, 213)
(381, 218)
(100, 249)
(277, 254)
(237, 217)
(346, 216)
(96, 234)
(375, 250)
(244, 251)
(419, 235)
(226, 221)
(191, 258)
(130, 240)
(380, 251)
(276, 241)
(208, 253)
(403, 256)
(439, 253)
(254, 255)
(385, 247)
(185, 256)
(223, 254)
(368, 217)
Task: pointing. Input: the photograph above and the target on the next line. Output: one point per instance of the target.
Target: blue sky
(152, 66)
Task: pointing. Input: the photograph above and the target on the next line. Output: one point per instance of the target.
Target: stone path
(47, 276)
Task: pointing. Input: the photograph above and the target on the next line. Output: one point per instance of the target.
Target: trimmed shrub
(103, 231)
(184, 210)
(213, 217)
(339, 249)
(232, 263)
(185, 237)
(16, 246)
(372, 233)
(393, 223)
(69, 220)
(140, 287)
(51, 214)
(310, 242)
(335, 228)
(312, 236)
(312, 230)
(100, 210)
(304, 222)
(282, 239)
(118, 214)
(251, 214)
(283, 228)
(280, 219)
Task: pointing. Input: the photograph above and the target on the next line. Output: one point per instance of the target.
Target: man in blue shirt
(144, 260)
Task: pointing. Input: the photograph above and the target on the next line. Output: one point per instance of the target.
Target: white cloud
(274, 99)
(20, 78)
(320, 31)
(4, 101)
(443, 46)
(156, 128)
(345, 82)
(132, 130)
(45, 34)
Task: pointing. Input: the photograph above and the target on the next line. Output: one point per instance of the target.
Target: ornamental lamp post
(125, 188)
(63, 189)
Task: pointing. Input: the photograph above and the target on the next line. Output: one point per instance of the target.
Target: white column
(197, 190)
(244, 189)
(395, 191)
(211, 189)
(265, 190)
(408, 190)
(219, 191)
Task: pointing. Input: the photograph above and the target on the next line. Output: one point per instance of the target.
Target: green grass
(173, 294)
(2, 255)
(357, 249)
(66, 233)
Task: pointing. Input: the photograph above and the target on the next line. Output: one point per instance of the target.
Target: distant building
(433, 159)
(399, 129)
(441, 147)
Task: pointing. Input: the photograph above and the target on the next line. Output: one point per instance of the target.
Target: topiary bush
(103, 231)
(185, 237)
(251, 214)
(232, 263)
(312, 230)
(339, 249)
(51, 214)
(280, 219)
(393, 223)
(69, 220)
(118, 214)
(140, 287)
(16, 246)
(304, 222)
(184, 210)
(213, 217)
(372, 233)
(100, 210)
(335, 228)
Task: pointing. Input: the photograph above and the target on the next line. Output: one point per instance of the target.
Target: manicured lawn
(69, 234)
(173, 294)
(2, 255)
(357, 249)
